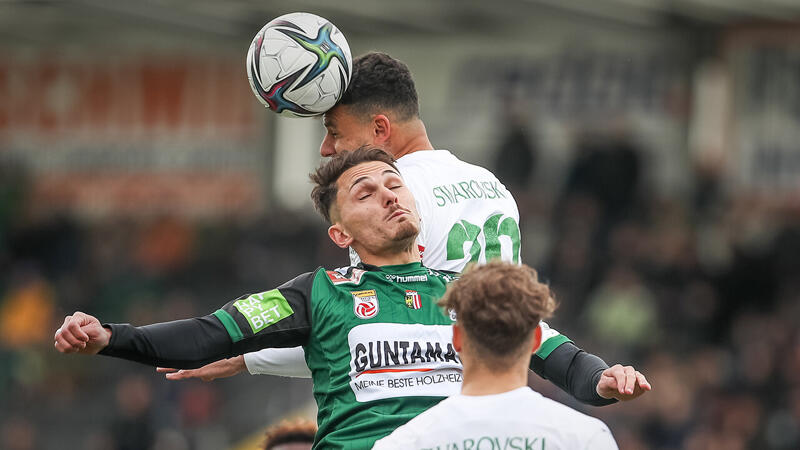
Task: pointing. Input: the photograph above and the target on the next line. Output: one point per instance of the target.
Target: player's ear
(339, 235)
(381, 128)
(537, 338)
(458, 338)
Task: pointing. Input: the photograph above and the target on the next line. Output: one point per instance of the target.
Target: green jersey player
(379, 349)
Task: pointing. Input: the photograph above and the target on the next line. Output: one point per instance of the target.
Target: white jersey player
(520, 418)
(467, 213)
(495, 408)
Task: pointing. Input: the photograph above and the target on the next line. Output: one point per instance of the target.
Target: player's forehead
(370, 170)
(338, 116)
(330, 118)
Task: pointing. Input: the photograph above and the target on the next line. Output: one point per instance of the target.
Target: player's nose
(389, 196)
(327, 148)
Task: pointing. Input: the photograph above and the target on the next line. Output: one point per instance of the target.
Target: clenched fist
(81, 333)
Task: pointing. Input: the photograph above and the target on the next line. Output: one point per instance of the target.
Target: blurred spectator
(198, 405)
(516, 157)
(132, 428)
(18, 433)
(26, 310)
(608, 169)
(622, 312)
(164, 245)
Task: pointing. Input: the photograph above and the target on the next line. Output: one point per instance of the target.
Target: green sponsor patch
(264, 309)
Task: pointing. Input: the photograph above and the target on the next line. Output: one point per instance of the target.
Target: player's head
(498, 308)
(381, 94)
(291, 435)
(364, 198)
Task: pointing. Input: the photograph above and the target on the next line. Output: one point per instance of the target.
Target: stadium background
(652, 147)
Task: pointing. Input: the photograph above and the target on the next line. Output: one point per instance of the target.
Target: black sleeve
(276, 318)
(574, 371)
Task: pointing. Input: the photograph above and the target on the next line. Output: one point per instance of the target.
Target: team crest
(413, 300)
(365, 303)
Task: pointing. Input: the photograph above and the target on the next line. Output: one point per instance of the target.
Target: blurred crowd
(699, 291)
(137, 271)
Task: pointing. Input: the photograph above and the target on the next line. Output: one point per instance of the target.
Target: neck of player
(389, 257)
(409, 138)
(481, 379)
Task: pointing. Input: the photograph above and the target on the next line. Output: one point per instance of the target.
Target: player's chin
(405, 231)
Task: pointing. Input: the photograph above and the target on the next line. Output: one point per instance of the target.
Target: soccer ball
(299, 65)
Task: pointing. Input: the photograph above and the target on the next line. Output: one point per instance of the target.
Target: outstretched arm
(587, 377)
(573, 370)
(284, 362)
(184, 344)
(219, 369)
(276, 318)
(199, 339)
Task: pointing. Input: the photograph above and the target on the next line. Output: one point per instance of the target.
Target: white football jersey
(467, 214)
(521, 418)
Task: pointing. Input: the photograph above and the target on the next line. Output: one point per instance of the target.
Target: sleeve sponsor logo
(264, 309)
(339, 276)
(400, 360)
(365, 303)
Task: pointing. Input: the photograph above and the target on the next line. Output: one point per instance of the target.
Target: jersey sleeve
(284, 362)
(276, 318)
(551, 339)
(568, 367)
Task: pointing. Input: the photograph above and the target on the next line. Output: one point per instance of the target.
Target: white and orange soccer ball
(299, 65)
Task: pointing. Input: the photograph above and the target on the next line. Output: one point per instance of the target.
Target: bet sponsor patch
(264, 309)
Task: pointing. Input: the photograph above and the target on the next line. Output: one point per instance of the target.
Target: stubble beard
(406, 235)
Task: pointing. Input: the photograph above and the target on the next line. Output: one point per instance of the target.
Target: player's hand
(81, 333)
(218, 369)
(622, 383)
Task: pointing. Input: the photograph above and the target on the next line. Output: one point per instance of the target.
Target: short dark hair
(328, 173)
(381, 82)
(499, 305)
